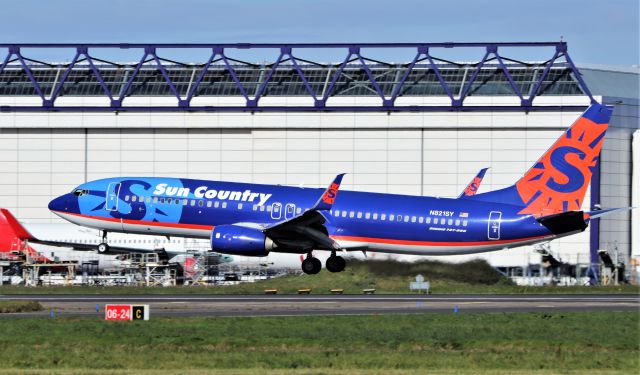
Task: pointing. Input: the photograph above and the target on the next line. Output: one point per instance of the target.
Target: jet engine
(237, 240)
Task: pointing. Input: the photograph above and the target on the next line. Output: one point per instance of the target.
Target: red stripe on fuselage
(141, 222)
(392, 241)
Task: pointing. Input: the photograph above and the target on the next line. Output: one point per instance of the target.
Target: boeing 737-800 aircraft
(255, 219)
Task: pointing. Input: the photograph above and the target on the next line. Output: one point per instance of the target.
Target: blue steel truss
(222, 55)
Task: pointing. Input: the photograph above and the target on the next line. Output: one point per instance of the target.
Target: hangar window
(367, 215)
(359, 215)
(126, 198)
(375, 216)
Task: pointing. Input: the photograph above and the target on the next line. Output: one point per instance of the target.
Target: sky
(597, 32)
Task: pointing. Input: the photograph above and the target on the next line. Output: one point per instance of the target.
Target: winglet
(329, 196)
(473, 186)
(18, 230)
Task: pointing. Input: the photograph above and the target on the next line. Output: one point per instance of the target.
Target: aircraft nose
(60, 203)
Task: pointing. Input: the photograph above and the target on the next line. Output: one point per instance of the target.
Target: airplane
(249, 219)
(46, 242)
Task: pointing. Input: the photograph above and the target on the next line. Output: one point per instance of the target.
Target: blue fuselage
(357, 220)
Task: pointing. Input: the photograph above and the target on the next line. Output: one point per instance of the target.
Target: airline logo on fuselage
(204, 192)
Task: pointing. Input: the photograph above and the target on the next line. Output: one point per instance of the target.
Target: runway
(288, 305)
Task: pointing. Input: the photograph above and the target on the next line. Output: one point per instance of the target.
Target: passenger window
(351, 214)
(134, 199)
(344, 213)
(148, 199)
(200, 203)
(208, 204)
(375, 216)
(428, 220)
(450, 222)
(420, 219)
(464, 223)
(193, 203)
(367, 215)
(337, 213)
(126, 198)
(435, 220)
(161, 200)
(457, 222)
(255, 207)
(391, 217)
(383, 217)
(155, 199)
(406, 219)
(224, 204)
(359, 215)
(261, 208)
(268, 208)
(169, 200)
(177, 201)
(140, 199)
(216, 204)
(239, 206)
(298, 210)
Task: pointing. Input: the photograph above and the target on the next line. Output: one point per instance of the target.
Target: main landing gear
(103, 247)
(312, 266)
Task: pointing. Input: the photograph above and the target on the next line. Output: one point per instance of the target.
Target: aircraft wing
(307, 230)
(473, 186)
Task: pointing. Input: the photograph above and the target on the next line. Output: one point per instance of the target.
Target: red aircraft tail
(13, 235)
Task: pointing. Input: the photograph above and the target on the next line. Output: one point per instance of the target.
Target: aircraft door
(289, 210)
(493, 230)
(112, 196)
(276, 210)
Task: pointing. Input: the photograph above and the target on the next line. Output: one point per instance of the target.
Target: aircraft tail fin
(473, 186)
(11, 227)
(558, 181)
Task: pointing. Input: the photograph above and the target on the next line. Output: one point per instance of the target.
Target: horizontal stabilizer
(607, 211)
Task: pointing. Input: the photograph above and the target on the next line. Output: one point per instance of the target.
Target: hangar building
(413, 123)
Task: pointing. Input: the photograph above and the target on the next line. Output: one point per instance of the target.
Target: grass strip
(604, 342)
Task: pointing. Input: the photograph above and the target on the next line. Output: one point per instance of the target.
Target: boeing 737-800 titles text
(255, 219)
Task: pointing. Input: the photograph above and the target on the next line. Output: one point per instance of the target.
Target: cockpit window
(79, 192)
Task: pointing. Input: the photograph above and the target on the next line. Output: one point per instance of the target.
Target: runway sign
(126, 312)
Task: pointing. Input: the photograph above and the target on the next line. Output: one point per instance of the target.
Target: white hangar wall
(43, 155)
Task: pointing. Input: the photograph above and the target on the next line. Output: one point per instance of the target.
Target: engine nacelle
(237, 240)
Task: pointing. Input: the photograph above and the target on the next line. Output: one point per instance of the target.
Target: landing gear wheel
(335, 264)
(103, 248)
(311, 266)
